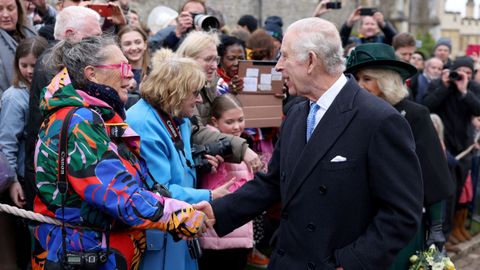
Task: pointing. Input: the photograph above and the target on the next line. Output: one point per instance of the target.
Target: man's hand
(378, 17)
(354, 17)
(223, 189)
(206, 208)
(16, 194)
(184, 23)
(321, 8)
(445, 78)
(252, 160)
(462, 84)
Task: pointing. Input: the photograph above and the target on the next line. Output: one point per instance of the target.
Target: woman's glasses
(125, 68)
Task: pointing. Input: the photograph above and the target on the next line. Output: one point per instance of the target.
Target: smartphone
(334, 5)
(367, 11)
(104, 10)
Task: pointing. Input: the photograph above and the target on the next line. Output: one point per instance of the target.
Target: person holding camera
(455, 97)
(169, 98)
(172, 36)
(89, 172)
(371, 22)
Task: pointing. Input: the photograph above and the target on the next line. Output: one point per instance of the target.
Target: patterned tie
(311, 119)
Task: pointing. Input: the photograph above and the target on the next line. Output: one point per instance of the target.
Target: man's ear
(90, 74)
(69, 33)
(312, 62)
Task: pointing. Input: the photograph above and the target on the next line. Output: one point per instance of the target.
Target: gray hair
(73, 17)
(390, 83)
(75, 56)
(320, 37)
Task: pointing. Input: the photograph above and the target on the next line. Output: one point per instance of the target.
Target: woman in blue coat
(161, 118)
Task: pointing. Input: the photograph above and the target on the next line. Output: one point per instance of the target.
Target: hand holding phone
(367, 11)
(334, 5)
(105, 10)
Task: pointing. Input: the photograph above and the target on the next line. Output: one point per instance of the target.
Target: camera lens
(206, 22)
(454, 76)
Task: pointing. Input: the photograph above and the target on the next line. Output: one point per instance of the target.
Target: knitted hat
(463, 61)
(249, 21)
(273, 27)
(444, 42)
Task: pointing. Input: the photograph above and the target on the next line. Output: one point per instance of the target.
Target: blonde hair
(390, 83)
(196, 42)
(172, 80)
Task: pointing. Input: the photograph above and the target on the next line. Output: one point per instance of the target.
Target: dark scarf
(106, 94)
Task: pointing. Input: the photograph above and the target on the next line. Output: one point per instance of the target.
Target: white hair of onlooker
(76, 22)
(161, 17)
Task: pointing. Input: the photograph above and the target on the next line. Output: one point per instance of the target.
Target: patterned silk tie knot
(311, 119)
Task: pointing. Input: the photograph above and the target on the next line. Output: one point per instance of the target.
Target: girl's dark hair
(227, 41)
(224, 103)
(35, 46)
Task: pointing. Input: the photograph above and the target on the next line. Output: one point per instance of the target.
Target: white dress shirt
(328, 97)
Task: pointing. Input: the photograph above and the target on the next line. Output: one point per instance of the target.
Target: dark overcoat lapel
(330, 127)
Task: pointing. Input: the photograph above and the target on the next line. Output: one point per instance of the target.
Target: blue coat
(169, 167)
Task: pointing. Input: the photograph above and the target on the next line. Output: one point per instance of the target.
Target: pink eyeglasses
(125, 68)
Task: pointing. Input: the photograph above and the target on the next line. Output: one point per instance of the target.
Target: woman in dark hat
(378, 71)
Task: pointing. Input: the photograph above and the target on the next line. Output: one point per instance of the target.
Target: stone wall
(289, 10)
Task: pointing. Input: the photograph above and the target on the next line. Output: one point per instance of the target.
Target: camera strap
(62, 183)
(174, 134)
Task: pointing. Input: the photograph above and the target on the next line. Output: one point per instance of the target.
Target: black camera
(454, 76)
(205, 22)
(83, 260)
(334, 5)
(194, 249)
(222, 148)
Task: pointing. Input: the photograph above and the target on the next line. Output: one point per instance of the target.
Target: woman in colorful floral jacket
(106, 205)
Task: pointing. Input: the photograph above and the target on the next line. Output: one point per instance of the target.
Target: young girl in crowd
(14, 104)
(133, 42)
(231, 250)
(13, 119)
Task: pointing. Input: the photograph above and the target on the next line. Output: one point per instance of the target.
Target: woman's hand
(214, 161)
(354, 17)
(236, 85)
(253, 160)
(223, 189)
(16, 194)
(117, 18)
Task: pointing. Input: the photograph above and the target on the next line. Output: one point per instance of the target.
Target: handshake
(184, 221)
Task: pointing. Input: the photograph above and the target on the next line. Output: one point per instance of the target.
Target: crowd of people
(104, 125)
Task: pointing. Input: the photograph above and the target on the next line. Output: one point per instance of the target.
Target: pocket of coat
(156, 239)
(333, 166)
